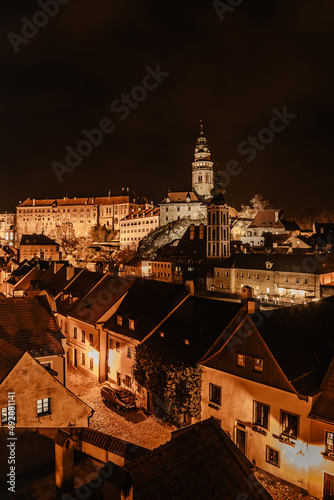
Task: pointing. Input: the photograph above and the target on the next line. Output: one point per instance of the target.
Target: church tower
(202, 169)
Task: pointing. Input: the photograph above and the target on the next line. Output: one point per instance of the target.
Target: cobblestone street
(134, 426)
(279, 490)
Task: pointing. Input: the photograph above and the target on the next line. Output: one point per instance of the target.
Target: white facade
(137, 225)
(202, 168)
(181, 205)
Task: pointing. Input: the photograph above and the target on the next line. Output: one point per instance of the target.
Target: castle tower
(202, 168)
(218, 231)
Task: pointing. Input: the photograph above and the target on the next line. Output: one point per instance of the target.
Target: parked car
(121, 398)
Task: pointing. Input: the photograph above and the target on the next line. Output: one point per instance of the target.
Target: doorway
(241, 440)
(328, 487)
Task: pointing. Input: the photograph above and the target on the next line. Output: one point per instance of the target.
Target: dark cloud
(264, 55)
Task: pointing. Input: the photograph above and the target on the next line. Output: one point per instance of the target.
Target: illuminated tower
(218, 231)
(202, 169)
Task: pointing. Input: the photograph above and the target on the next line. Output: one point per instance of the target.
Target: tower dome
(202, 168)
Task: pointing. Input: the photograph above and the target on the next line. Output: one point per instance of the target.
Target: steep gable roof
(28, 324)
(200, 461)
(36, 239)
(9, 356)
(301, 340)
(193, 328)
(147, 302)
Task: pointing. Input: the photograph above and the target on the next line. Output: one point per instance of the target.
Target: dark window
(128, 381)
(43, 406)
(83, 359)
(91, 339)
(91, 364)
(261, 415)
(118, 347)
(111, 344)
(272, 456)
(75, 332)
(83, 336)
(215, 394)
(289, 425)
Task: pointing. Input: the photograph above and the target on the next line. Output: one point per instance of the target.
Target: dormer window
(131, 324)
(162, 335)
(258, 365)
(119, 320)
(186, 341)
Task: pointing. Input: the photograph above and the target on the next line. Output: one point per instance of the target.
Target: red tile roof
(9, 356)
(112, 444)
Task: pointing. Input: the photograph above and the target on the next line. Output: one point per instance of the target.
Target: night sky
(230, 73)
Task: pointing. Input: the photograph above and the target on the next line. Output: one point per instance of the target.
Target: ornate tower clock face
(202, 168)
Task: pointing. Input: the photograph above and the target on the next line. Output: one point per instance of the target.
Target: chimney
(33, 202)
(117, 482)
(192, 231)
(190, 287)
(253, 305)
(64, 454)
(69, 273)
(201, 231)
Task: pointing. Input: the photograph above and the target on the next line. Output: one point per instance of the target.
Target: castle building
(191, 205)
(135, 226)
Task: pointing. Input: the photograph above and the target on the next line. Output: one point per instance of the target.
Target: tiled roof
(180, 197)
(268, 218)
(29, 325)
(113, 200)
(102, 200)
(100, 299)
(112, 444)
(36, 239)
(301, 340)
(147, 302)
(78, 288)
(199, 462)
(9, 356)
(141, 214)
(193, 328)
(296, 263)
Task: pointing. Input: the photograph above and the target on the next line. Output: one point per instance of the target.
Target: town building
(282, 279)
(75, 217)
(38, 246)
(146, 305)
(135, 226)
(29, 325)
(268, 381)
(40, 401)
(218, 230)
(82, 309)
(7, 229)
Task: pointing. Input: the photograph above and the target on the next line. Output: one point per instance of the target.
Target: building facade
(202, 168)
(181, 205)
(7, 229)
(135, 226)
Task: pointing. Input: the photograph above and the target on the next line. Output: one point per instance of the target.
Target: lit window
(215, 394)
(289, 424)
(7, 414)
(43, 406)
(258, 365)
(261, 415)
(272, 456)
(329, 442)
(131, 324)
(240, 360)
(119, 320)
